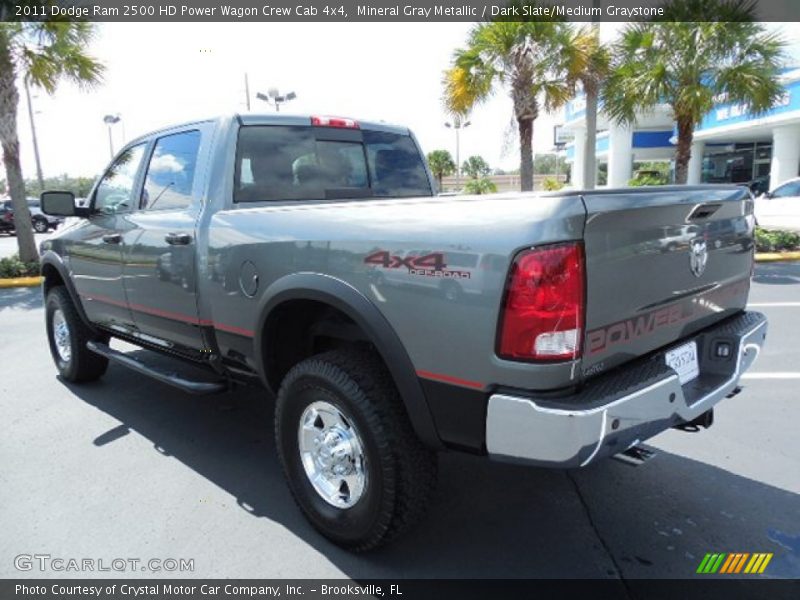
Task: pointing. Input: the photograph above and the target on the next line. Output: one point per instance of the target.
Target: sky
(165, 73)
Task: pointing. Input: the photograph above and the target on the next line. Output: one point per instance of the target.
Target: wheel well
(52, 277)
(298, 329)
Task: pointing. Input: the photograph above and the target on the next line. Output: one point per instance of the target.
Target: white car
(780, 207)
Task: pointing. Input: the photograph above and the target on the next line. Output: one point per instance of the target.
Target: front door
(96, 253)
(159, 259)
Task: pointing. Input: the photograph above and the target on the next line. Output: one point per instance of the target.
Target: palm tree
(531, 59)
(475, 167)
(43, 53)
(441, 163)
(591, 65)
(689, 61)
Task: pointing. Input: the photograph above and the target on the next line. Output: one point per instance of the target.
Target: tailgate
(662, 263)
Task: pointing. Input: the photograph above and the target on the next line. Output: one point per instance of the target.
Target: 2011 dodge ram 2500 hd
(311, 254)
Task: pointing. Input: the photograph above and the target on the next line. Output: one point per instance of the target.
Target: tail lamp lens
(543, 313)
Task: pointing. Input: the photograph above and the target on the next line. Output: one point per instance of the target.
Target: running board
(634, 456)
(192, 387)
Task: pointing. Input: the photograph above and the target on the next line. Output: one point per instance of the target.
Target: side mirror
(61, 204)
(766, 195)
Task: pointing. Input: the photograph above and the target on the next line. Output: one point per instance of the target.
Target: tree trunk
(683, 152)
(590, 162)
(525, 154)
(9, 99)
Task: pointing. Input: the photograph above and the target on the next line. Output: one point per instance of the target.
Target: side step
(192, 387)
(634, 456)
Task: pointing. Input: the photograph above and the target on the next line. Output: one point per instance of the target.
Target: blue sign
(733, 113)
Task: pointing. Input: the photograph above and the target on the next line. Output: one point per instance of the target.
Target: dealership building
(730, 144)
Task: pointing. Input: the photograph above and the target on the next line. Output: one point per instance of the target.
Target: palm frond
(52, 51)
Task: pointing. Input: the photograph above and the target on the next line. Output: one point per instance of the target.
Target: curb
(16, 282)
(777, 256)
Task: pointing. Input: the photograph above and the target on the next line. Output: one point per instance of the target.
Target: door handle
(112, 238)
(178, 239)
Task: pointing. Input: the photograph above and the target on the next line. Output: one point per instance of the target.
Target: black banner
(370, 10)
(309, 589)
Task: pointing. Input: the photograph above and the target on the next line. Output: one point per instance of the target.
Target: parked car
(6, 217)
(251, 245)
(40, 222)
(780, 207)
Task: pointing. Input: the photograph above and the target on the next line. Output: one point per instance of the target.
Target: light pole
(458, 125)
(275, 98)
(111, 120)
(35, 141)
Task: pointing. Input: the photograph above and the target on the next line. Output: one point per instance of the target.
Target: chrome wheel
(332, 454)
(61, 336)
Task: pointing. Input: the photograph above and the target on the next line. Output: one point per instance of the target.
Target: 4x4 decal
(427, 265)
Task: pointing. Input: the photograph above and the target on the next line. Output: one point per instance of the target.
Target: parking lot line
(772, 304)
(778, 375)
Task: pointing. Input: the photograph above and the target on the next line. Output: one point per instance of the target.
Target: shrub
(776, 241)
(640, 180)
(551, 184)
(12, 266)
(480, 186)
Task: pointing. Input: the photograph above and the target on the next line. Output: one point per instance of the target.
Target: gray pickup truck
(311, 255)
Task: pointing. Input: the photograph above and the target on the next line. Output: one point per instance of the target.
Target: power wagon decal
(427, 265)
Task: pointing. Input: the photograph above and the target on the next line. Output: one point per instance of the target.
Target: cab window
(170, 175)
(280, 163)
(115, 191)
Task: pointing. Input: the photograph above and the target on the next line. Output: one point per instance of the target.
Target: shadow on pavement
(777, 273)
(27, 298)
(487, 519)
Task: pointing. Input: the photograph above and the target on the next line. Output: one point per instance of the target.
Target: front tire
(67, 335)
(349, 453)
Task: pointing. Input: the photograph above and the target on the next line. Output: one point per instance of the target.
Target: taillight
(334, 122)
(543, 311)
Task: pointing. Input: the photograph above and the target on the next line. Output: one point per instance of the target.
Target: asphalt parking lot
(127, 467)
(8, 243)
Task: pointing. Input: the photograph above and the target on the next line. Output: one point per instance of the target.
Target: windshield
(312, 163)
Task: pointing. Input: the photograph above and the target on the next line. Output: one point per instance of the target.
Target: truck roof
(274, 119)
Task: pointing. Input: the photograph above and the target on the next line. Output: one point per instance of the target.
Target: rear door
(160, 247)
(661, 265)
(95, 255)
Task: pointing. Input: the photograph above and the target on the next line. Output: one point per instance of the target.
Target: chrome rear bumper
(612, 414)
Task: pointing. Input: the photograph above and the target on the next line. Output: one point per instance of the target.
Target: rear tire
(67, 335)
(399, 473)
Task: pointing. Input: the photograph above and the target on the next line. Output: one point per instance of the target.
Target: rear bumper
(616, 411)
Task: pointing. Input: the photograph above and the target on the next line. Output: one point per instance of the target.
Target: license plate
(684, 360)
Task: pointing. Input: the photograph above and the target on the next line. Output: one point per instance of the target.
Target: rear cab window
(278, 163)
